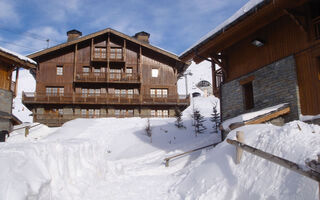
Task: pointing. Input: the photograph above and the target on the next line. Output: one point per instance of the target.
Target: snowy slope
(199, 72)
(114, 159)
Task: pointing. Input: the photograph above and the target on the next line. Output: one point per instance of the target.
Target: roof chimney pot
(73, 35)
(142, 36)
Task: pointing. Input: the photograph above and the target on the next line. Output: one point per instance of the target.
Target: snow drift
(113, 159)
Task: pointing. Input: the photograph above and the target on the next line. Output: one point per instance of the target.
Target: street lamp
(186, 80)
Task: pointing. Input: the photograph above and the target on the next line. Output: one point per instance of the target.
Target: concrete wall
(272, 85)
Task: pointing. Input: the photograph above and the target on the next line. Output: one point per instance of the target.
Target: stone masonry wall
(272, 85)
(5, 106)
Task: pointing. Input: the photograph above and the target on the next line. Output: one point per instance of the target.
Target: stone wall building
(269, 54)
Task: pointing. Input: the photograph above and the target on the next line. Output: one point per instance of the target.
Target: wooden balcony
(110, 77)
(29, 98)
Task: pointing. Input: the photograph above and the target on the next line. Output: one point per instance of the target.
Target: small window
(153, 113)
(155, 73)
(123, 93)
(153, 92)
(84, 92)
(97, 112)
(100, 52)
(248, 96)
(83, 112)
(117, 112)
(159, 113)
(91, 112)
(165, 113)
(98, 91)
(117, 92)
(123, 112)
(130, 93)
(159, 93)
(91, 92)
(130, 113)
(61, 91)
(60, 111)
(59, 70)
(129, 71)
(165, 93)
(97, 70)
(85, 70)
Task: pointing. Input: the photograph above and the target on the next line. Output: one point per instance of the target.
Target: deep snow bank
(217, 177)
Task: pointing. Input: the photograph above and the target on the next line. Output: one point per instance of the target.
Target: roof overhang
(256, 18)
(15, 60)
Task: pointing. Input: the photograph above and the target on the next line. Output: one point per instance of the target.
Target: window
(84, 92)
(248, 95)
(153, 113)
(117, 112)
(86, 70)
(159, 113)
(116, 53)
(91, 112)
(91, 92)
(100, 52)
(60, 111)
(123, 113)
(115, 73)
(97, 112)
(155, 73)
(130, 113)
(130, 93)
(129, 71)
(165, 93)
(54, 91)
(165, 113)
(159, 93)
(59, 70)
(98, 92)
(117, 92)
(152, 92)
(83, 112)
(97, 71)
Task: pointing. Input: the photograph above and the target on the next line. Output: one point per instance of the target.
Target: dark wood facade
(107, 74)
(286, 28)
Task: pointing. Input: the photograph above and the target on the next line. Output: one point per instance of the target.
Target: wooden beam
(75, 62)
(277, 160)
(296, 20)
(91, 48)
(16, 84)
(124, 50)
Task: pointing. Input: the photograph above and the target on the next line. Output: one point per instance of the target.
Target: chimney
(73, 34)
(142, 36)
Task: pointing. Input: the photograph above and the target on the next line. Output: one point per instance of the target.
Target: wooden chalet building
(9, 62)
(268, 53)
(105, 74)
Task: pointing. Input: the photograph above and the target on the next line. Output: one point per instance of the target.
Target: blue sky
(174, 25)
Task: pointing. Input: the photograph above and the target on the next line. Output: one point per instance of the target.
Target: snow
(199, 72)
(242, 11)
(26, 83)
(21, 57)
(250, 115)
(309, 117)
(111, 158)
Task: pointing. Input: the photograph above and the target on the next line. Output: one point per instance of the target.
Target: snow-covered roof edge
(252, 4)
(21, 57)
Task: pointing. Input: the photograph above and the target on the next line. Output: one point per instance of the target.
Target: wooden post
(240, 138)
(26, 131)
(16, 84)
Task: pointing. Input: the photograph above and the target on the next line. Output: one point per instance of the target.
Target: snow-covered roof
(252, 4)
(21, 57)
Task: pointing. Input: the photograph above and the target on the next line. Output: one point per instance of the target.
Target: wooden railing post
(26, 131)
(240, 138)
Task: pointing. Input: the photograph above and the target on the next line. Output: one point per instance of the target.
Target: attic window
(116, 53)
(155, 73)
(100, 52)
(60, 70)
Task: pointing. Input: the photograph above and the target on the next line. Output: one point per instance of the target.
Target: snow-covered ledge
(246, 118)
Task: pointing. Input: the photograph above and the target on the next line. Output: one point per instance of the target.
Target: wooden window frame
(59, 70)
(100, 52)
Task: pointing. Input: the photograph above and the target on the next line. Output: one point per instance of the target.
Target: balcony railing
(58, 120)
(102, 99)
(107, 77)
